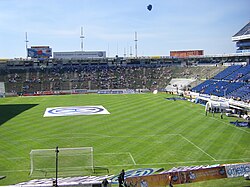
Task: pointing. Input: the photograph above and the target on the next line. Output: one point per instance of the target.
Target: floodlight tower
(136, 44)
(26, 41)
(131, 51)
(82, 37)
(125, 52)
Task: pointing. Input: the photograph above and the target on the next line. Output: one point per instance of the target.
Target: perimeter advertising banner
(159, 180)
(200, 175)
(136, 173)
(180, 177)
(237, 170)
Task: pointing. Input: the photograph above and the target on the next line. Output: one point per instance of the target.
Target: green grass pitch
(141, 131)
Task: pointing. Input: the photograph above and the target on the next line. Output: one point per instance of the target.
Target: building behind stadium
(186, 53)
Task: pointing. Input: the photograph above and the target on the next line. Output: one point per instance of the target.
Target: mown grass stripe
(198, 147)
(145, 125)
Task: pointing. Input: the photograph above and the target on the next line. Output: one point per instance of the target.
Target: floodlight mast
(26, 41)
(136, 40)
(82, 37)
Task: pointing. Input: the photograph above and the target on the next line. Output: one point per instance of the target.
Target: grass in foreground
(143, 130)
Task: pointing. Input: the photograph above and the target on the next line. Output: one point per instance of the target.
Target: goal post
(71, 161)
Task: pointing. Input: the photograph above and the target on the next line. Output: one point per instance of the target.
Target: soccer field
(141, 131)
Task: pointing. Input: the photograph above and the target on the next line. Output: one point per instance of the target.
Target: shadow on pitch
(8, 112)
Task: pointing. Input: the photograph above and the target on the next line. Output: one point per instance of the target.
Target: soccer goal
(71, 161)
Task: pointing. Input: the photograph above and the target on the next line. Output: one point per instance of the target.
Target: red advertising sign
(180, 177)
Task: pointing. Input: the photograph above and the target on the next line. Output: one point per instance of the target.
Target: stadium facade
(79, 54)
(242, 39)
(216, 77)
(92, 70)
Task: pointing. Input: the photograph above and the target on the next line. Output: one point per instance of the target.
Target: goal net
(71, 161)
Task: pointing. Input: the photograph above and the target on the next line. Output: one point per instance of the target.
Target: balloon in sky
(149, 7)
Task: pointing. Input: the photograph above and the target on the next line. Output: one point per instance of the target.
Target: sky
(110, 25)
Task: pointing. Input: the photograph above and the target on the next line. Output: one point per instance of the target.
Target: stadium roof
(243, 34)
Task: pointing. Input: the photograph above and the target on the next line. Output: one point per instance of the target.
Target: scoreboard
(39, 52)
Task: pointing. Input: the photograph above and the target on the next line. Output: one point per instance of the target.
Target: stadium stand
(96, 77)
(52, 76)
(226, 72)
(239, 73)
(242, 39)
(177, 85)
(242, 92)
(232, 82)
(244, 31)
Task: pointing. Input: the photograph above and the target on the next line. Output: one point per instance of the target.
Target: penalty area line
(197, 147)
(132, 158)
(120, 153)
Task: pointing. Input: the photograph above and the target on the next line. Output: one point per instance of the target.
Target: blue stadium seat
(227, 72)
(239, 73)
(231, 83)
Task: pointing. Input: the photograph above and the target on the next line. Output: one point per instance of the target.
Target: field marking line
(173, 163)
(201, 113)
(239, 128)
(132, 158)
(119, 153)
(232, 159)
(20, 170)
(197, 147)
(147, 135)
(70, 134)
(164, 163)
(14, 158)
(79, 137)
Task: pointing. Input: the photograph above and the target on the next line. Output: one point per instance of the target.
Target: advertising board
(178, 177)
(237, 170)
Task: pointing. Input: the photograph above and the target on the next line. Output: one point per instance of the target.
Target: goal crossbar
(44, 159)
